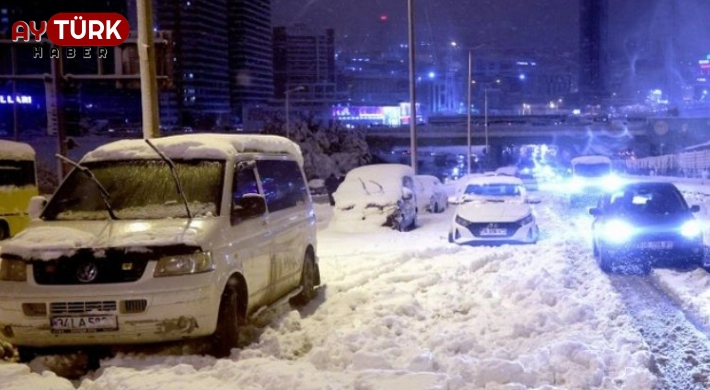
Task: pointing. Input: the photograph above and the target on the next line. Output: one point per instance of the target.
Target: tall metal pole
(13, 58)
(412, 90)
(58, 107)
(149, 81)
(485, 127)
(468, 109)
(288, 129)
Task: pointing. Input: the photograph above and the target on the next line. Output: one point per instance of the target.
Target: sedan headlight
(462, 222)
(13, 270)
(617, 231)
(691, 229)
(527, 220)
(184, 264)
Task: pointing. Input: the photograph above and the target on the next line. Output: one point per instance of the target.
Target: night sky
(505, 24)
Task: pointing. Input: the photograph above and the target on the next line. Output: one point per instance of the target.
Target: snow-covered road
(410, 311)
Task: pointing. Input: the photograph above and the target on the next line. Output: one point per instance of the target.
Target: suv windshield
(139, 189)
(647, 201)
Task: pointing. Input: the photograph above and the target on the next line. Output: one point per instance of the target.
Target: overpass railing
(687, 164)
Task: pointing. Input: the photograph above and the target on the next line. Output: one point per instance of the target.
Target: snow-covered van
(18, 184)
(591, 177)
(157, 240)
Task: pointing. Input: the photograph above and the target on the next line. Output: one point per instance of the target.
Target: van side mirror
(36, 206)
(694, 208)
(595, 212)
(248, 206)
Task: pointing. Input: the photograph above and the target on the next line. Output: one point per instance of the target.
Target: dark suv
(646, 224)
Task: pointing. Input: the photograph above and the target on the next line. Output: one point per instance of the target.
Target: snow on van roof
(591, 160)
(195, 146)
(11, 150)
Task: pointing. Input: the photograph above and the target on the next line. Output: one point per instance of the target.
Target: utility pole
(468, 113)
(149, 81)
(55, 111)
(412, 90)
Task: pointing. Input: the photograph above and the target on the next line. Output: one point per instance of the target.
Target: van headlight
(691, 229)
(13, 270)
(612, 183)
(576, 184)
(195, 263)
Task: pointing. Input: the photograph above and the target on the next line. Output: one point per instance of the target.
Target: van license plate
(493, 232)
(84, 324)
(656, 245)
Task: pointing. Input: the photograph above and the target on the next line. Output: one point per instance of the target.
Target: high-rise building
(594, 48)
(305, 59)
(200, 96)
(251, 71)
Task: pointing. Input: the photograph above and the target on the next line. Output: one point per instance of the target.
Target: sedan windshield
(492, 190)
(139, 189)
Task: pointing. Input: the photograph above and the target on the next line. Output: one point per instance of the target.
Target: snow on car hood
(493, 211)
(50, 241)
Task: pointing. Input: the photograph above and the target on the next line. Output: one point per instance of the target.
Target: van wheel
(226, 336)
(308, 282)
(4, 231)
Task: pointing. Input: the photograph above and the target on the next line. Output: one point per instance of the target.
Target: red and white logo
(75, 29)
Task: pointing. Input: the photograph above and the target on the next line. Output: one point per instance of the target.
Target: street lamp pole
(485, 116)
(468, 109)
(412, 90)
(287, 93)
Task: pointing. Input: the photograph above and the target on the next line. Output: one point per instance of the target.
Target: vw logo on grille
(87, 272)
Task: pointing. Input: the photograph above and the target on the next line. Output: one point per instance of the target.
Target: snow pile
(18, 151)
(191, 146)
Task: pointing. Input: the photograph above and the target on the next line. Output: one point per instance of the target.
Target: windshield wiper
(364, 187)
(171, 164)
(102, 190)
(382, 190)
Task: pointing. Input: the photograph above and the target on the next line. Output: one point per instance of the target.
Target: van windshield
(17, 173)
(139, 189)
(592, 170)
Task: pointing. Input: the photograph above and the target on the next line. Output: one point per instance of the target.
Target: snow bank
(191, 146)
(11, 150)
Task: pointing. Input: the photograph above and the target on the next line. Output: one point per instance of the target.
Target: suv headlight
(13, 270)
(691, 229)
(184, 264)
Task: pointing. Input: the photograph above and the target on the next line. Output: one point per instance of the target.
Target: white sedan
(431, 195)
(493, 209)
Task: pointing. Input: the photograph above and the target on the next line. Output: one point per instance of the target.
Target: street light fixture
(287, 93)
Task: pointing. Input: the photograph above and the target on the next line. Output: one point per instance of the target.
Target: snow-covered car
(493, 209)
(431, 195)
(377, 195)
(646, 224)
(529, 180)
(149, 241)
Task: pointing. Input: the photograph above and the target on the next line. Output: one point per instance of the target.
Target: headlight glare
(612, 183)
(13, 270)
(617, 231)
(691, 229)
(576, 184)
(184, 264)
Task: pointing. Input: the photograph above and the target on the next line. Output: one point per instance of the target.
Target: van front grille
(57, 308)
(134, 306)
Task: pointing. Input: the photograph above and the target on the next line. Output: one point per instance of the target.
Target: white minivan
(160, 240)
